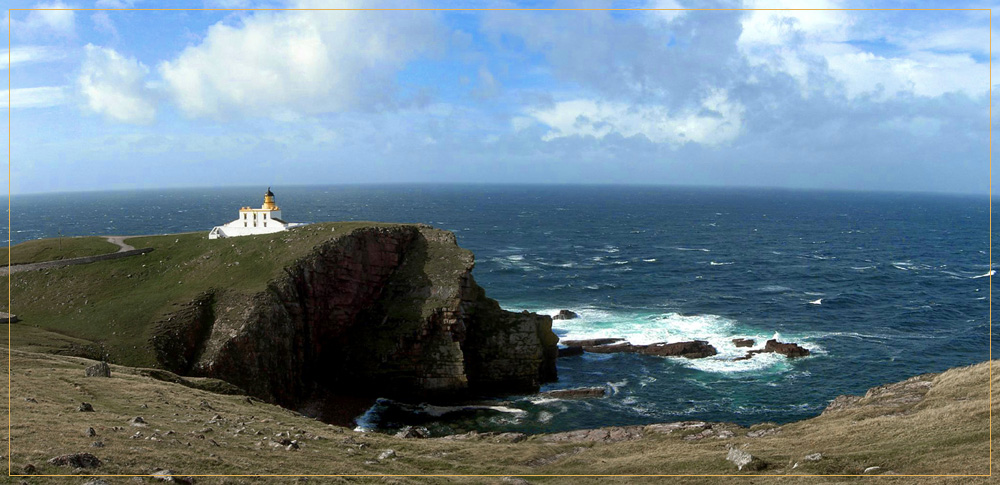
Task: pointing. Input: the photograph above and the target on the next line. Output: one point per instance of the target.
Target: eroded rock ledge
(388, 310)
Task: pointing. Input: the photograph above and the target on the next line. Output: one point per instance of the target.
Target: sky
(846, 100)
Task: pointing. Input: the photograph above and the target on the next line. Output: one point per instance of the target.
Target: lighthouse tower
(251, 221)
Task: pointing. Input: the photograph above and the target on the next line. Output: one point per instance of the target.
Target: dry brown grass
(945, 433)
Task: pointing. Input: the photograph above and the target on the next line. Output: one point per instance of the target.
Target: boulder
(76, 460)
(565, 315)
(100, 369)
(413, 432)
(744, 342)
(743, 459)
(85, 407)
(575, 393)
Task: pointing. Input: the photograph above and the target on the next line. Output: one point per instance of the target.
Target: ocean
(878, 286)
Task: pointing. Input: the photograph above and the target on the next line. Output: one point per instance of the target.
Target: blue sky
(872, 100)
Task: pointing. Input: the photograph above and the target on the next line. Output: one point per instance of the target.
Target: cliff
(388, 310)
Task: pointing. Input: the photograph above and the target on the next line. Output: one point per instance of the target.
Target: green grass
(114, 304)
(59, 248)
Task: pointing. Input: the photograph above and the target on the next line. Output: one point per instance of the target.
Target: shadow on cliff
(386, 311)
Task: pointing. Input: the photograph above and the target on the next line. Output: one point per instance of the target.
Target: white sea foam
(990, 273)
(647, 327)
(650, 260)
(693, 249)
(862, 268)
(818, 301)
(775, 289)
(713, 263)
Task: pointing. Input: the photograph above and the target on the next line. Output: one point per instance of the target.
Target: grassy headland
(57, 248)
(109, 308)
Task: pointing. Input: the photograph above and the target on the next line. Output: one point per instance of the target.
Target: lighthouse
(265, 220)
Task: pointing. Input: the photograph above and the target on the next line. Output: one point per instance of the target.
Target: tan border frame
(10, 463)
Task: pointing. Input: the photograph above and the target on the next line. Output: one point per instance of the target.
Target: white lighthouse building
(265, 220)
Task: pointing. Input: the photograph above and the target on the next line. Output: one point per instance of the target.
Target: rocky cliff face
(392, 311)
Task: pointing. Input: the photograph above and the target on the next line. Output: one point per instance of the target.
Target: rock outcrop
(381, 310)
(575, 393)
(787, 349)
(694, 349)
(565, 315)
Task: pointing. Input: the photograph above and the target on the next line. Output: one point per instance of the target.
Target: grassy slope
(111, 305)
(62, 248)
(946, 433)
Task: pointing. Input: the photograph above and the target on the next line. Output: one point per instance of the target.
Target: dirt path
(120, 242)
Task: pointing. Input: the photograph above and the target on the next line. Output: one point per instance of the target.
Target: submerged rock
(591, 342)
(570, 351)
(575, 393)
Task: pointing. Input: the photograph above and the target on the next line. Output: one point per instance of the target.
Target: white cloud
(666, 15)
(921, 73)
(273, 64)
(114, 86)
(47, 22)
(32, 53)
(102, 23)
(808, 45)
(717, 121)
(40, 97)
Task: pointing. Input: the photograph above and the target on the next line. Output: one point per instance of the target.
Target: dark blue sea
(878, 286)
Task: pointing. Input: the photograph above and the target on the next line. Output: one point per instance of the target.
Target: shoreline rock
(575, 393)
(694, 349)
(565, 315)
(790, 350)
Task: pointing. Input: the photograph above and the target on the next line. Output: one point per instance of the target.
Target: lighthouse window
(244, 223)
(265, 224)
(265, 215)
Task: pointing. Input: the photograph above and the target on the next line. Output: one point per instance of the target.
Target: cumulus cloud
(716, 121)
(814, 47)
(285, 64)
(39, 97)
(114, 86)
